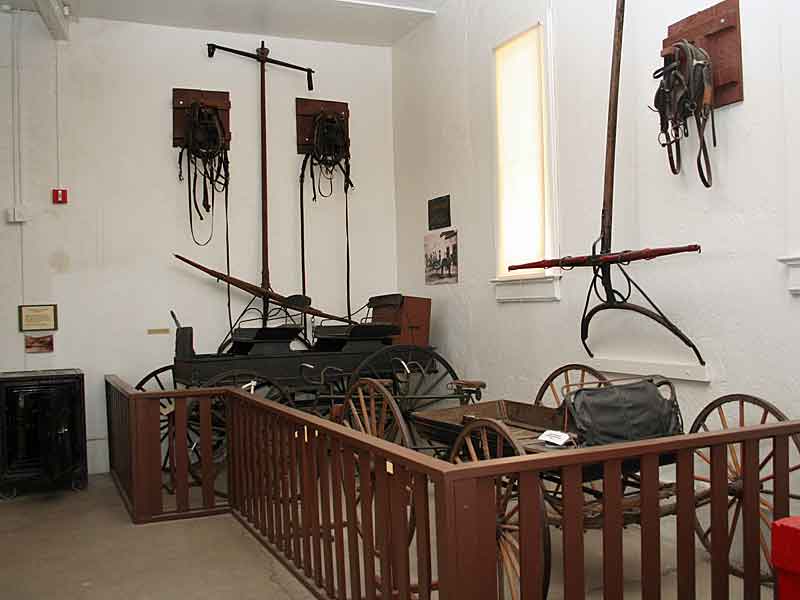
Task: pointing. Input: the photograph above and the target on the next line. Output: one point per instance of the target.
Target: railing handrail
(394, 453)
(619, 451)
(120, 385)
(439, 469)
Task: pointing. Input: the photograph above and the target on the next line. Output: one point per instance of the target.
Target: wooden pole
(611, 135)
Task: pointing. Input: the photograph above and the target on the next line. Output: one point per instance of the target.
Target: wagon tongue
(300, 304)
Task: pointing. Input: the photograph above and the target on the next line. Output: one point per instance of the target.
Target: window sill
(538, 287)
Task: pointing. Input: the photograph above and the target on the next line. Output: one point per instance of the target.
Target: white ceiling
(378, 22)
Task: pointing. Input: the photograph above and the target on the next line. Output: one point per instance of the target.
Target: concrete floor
(83, 546)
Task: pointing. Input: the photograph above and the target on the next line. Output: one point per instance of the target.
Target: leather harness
(686, 89)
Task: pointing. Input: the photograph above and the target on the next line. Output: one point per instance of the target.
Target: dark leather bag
(624, 413)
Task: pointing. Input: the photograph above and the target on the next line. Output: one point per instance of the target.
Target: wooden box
(410, 313)
(182, 100)
(717, 30)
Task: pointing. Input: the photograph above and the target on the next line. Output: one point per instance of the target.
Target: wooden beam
(52, 13)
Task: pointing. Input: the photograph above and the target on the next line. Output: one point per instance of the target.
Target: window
(524, 226)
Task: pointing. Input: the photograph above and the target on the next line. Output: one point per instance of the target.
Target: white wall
(105, 259)
(731, 299)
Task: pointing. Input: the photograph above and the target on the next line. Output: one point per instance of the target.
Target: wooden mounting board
(307, 109)
(718, 31)
(182, 100)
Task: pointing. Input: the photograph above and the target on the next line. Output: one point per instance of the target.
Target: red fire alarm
(59, 195)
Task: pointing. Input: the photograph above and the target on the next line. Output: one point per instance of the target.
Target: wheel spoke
(764, 548)
(555, 394)
(431, 387)
(372, 410)
(424, 373)
(509, 515)
(505, 565)
(471, 449)
(703, 456)
(734, 523)
(741, 412)
(771, 476)
(485, 444)
(354, 415)
(382, 427)
(766, 459)
(364, 411)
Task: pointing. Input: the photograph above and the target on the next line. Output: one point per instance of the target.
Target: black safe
(42, 431)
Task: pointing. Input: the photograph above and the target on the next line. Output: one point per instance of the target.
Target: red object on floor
(786, 557)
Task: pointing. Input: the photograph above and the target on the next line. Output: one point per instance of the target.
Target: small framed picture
(38, 317)
(39, 344)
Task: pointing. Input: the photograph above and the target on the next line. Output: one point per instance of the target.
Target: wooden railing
(349, 515)
(356, 517)
(472, 489)
(161, 451)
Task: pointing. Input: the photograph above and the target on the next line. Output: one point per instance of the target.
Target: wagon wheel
(264, 388)
(551, 395)
(733, 411)
(370, 408)
(485, 439)
(421, 379)
(163, 379)
(575, 376)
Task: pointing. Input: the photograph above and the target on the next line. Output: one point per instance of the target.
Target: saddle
(686, 89)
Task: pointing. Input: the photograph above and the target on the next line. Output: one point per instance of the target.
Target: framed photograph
(441, 257)
(38, 317)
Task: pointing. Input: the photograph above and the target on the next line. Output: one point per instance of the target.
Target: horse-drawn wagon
(591, 410)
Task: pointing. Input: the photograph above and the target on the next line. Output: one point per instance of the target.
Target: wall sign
(39, 344)
(38, 317)
(439, 213)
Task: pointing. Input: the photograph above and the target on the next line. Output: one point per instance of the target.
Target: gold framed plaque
(38, 317)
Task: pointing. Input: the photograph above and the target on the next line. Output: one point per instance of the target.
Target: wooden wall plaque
(306, 110)
(182, 100)
(718, 31)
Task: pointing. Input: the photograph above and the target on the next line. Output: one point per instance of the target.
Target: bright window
(524, 229)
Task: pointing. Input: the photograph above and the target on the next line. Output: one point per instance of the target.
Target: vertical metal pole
(611, 135)
(265, 282)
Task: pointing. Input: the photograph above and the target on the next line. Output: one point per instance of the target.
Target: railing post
(146, 470)
(466, 538)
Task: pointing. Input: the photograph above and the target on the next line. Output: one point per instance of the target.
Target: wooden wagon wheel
(264, 388)
(551, 395)
(163, 379)
(418, 378)
(370, 408)
(574, 376)
(733, 411)
(485, 439)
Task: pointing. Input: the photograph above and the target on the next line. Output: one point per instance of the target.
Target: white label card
(559, 438)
